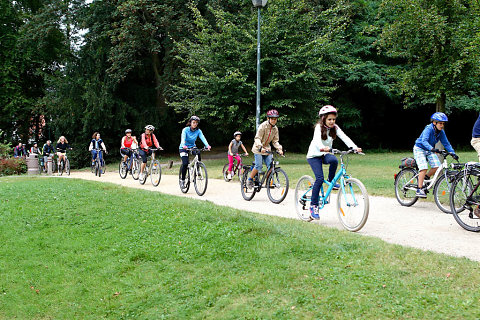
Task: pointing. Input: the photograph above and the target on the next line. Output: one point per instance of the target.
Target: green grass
(375, 170)
(95, 250)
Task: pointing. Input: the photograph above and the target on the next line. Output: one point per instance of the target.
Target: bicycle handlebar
(336, 151)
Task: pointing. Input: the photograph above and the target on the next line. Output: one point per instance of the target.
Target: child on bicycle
(318, 153)
(267, 133)
(189, 136)
(424, 149)
(233, 152)
(128, 143)
(61, 147)
(147, 141)
(95, 144)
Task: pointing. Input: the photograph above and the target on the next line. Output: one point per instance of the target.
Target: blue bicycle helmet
(439, 116)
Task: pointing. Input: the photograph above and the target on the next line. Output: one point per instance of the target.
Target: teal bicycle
(352, 201)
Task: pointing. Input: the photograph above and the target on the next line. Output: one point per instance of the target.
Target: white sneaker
(182, 184)
(229, 176)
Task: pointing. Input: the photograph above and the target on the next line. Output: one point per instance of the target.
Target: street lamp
(258, 4)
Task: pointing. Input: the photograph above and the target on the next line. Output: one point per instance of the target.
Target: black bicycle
(132, 165)
(274, 179)
(465, 197)
(64, 164)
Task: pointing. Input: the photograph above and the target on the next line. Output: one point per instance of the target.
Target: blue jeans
(316, 164)
(94, 155)
(259, 158)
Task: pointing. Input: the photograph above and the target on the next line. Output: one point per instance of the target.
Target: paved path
(422, 226)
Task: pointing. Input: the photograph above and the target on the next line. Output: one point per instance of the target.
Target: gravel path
(422, 226)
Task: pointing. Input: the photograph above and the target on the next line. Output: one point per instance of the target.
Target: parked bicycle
(98, 166)
(197, 171)
(64, 165)
(152, 169)
(406, 182)
(352, 201)
(132, 165)
(237, 168)
(274, 179)
(465, 197)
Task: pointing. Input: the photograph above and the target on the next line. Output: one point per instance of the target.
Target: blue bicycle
(132, 165)
(352, 201)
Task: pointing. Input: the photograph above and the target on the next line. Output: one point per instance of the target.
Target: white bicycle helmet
(237, 133)
(150, 127)
(327, 109)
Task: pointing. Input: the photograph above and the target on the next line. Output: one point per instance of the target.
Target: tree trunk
(440, 104)
(160, 98)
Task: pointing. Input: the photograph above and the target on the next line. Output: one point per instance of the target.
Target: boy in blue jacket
(424, 149)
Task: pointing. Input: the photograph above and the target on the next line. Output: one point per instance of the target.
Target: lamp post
(258, 4)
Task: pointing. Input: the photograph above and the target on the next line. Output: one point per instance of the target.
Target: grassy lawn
(77, 249)
(375, 170)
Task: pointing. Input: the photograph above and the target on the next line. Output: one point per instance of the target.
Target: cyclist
(128, 143)
(147, 141)
(424, 149)
(475, 142)
(233, 152)
(19, 151)
(61, 147)
(318, 153)
(189, 136)
(267, 133)
(48, 150)
(95, 144)
(35, 149)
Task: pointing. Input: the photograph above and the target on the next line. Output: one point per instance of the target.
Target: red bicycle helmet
(272, 113)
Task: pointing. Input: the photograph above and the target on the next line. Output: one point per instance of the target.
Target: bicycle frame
(267, 173)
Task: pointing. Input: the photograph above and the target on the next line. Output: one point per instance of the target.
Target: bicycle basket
(408, 163)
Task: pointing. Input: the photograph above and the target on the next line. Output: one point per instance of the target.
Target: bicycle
(152, 169)
(406, 182)
(132, 165)
(64, 164)
(274, 179)
(197, 170)
(465, 197)
(353, 203)
(237, 168)
(98, 167)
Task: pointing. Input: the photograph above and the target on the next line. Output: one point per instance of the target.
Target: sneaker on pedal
(314, 212)
(229, 176)
(420, 194)
(182, 184)
(250, 183)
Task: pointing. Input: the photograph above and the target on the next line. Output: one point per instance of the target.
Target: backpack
(408, 163)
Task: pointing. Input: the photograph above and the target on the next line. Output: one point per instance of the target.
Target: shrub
(6, 150)
(12, 166)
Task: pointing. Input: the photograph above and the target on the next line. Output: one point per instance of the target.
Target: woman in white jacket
(318, 153)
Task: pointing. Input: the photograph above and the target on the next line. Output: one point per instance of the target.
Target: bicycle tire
(404, 177)
(200, 180)
(462, 186)
(187, 180)
(247, 194)
(225, 173)
(143, 178)
(441, 192)
(122, 169)
(155, 173)
(303, 198)
(276, 185)
(60, 168)
(99, 165)
(353, 221)
(67, 167)
(135, 170)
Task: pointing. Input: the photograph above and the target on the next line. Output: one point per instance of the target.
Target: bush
(6, 150)
(12, 166)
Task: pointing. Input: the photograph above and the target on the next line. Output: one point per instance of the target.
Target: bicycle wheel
(200, 180)
(303, 195)
(93, 167)
(247, 193)
(240, 172)
(60, 168)
(67, 167)
(97, 169)
(225, 172)
(406, 184)
(143, 177)
(104, 168)
(441, 192)
(135, 170)
(460, 191)
(353, 205)
(277, 186)
(186, 185)
(122, 169)
(155, 173)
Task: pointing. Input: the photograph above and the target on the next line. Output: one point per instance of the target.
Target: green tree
(436, 44)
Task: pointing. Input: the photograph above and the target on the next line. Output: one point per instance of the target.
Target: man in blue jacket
(424, 150)
(476, 137)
